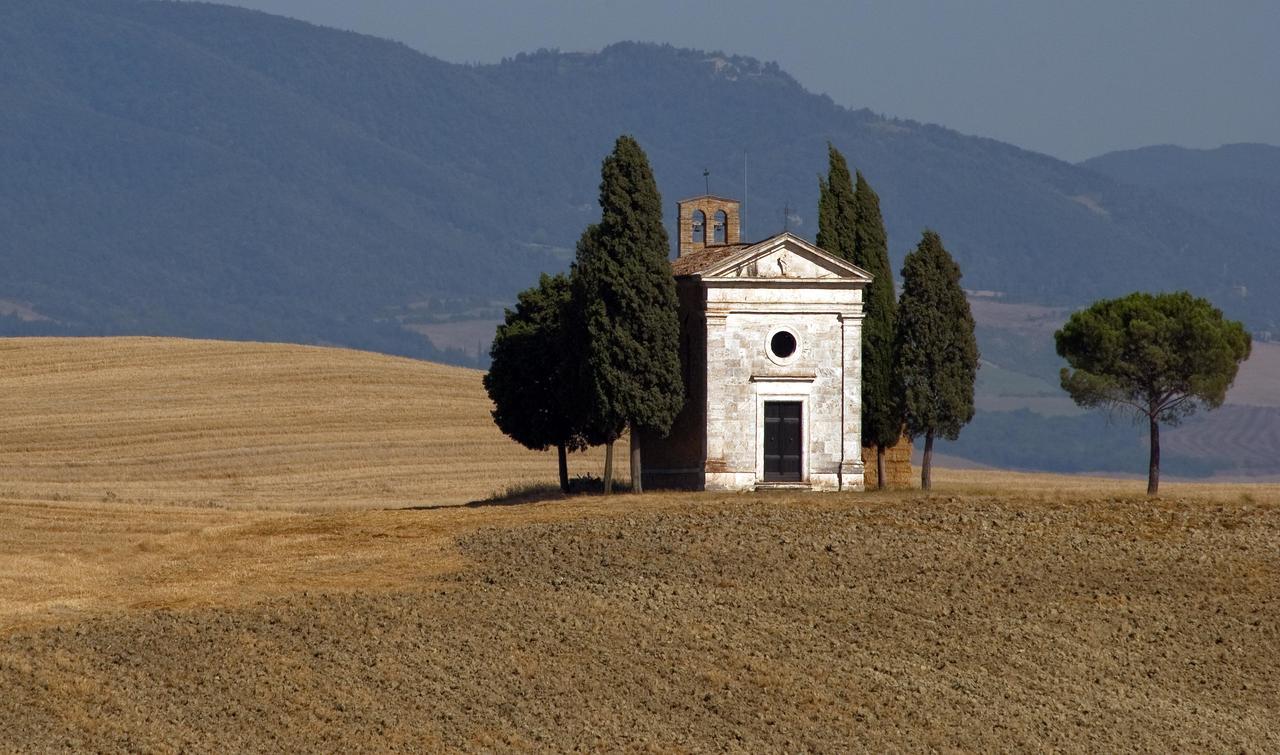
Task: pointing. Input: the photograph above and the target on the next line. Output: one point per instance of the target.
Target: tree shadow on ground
(518, 494)
(541, 492)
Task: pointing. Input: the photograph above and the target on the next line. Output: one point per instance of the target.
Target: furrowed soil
(747, 623)
(226, 547)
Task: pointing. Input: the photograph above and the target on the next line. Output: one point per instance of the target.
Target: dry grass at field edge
(245, 425)
(65, 561)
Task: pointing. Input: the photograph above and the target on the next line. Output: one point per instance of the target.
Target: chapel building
(770, 345)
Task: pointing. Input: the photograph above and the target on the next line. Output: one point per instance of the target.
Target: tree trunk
(564, 468)
(880, 466)
(926, 466)
(608, 468)
(1153, 470)
(636, 486)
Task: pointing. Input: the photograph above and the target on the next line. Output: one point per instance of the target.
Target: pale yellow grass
(1065, 488)
(141, 472)
(249, 425)
(1258, 383)
(145, 473)
(66, 561)
(467, 336)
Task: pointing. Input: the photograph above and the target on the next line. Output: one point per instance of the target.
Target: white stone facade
(734, 301)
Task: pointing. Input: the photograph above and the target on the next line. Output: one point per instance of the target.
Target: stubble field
(252, 583)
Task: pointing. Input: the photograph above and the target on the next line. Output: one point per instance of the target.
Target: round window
(782, 344)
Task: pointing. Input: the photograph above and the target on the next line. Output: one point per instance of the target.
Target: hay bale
(897, 465)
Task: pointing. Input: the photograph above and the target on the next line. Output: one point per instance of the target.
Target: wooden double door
(783, 443)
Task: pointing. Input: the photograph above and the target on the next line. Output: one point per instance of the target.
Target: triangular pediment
(786, 256)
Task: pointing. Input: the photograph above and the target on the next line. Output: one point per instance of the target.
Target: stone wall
(728, 321)
(742, 374)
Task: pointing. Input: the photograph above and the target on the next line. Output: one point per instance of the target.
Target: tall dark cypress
(625, 297)
(881, 407)
(937, 354)
(837, 213)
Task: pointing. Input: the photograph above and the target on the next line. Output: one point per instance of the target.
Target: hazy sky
(1072, 79)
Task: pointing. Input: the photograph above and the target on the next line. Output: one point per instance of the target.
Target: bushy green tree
(531, 376)
(881, 404)
(1161, 356)
(937, 354)
(625, 296)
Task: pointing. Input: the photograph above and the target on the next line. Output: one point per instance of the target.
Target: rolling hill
(242, 425)
(197, 170)
(187, 169)
(1235, 186)
(1024, 420)
(161, 421)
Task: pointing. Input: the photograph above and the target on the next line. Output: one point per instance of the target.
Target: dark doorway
(782, 441)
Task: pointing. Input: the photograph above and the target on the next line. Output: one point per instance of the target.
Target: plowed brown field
(246, 587)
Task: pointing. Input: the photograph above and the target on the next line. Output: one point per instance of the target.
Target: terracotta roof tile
(696, 262)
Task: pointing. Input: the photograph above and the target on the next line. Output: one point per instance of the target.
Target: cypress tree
(530, 377)
(937, 354)
(881, 406)
(837, 212)
(625, 299)
(850, 226)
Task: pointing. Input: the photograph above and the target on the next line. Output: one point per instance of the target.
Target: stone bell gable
(708, 221)
(770, 345)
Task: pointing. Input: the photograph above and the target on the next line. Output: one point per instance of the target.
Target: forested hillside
(1236, 186)
(193, 169)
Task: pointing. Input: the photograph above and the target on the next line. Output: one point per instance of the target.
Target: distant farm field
(249, 425)
(219, 547)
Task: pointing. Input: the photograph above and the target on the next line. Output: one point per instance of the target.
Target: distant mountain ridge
(1165, 165)
(1235, 185)
(198, 170)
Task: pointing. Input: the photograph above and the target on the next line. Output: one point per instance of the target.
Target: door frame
(784, 389)
(794, 452)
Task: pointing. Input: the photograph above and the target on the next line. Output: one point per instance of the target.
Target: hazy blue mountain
(193, 169)
(1236, 185)
(1170, 167)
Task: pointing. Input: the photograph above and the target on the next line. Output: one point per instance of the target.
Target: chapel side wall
(741, 376)
(676, 461)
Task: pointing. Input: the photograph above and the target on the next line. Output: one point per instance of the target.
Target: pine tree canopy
(836, 208)
(1160, 355)
(529, 379)
(937, 354)
(881, 407)
(625, 299)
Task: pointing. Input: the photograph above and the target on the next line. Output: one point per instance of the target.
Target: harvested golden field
(1002, 611)
(248, 425)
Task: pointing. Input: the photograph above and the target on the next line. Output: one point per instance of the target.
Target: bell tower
(708, 221)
